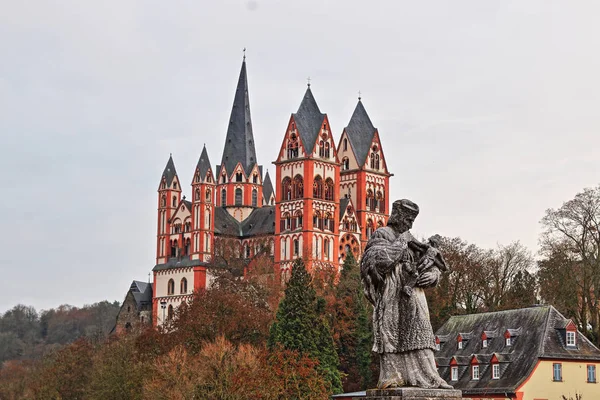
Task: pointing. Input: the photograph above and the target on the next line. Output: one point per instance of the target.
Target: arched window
(174, 201)
(298, 219)
(327, 153)
(326, 248)
(329, 195)
(370, 228)
(286, 221)
(197, 194)
(345, 164)
(183, 286)
(208, 195)
(170, 312)
(380, 202)
(317, 220)
(163, 185)
(328, 222)
(223, 197)
(254, 178)
(254, 198)
(224, 178)
(321, 149)
(345, 144)
(186, 249)
(197, 178)
(208, 178)
(171, 287)
(292, 147)
(238, 197)
(298, 187)
(174, 185)
(163, 201)
(296, 247)
(318, 187)
(238, 177)
(286, 188)
(370, 200)
(376, 161)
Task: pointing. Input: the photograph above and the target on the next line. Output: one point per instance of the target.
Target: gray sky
(488, 113)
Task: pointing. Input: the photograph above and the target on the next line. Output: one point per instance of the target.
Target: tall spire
(360, 131)
(203, 164)
(169, 173)
(239, 143)
(308, 120)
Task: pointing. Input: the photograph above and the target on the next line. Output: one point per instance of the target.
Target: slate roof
(360, 132)
(239, 142)
(142, 293)
(178, 262)
(536, 336)
(261, 221)
(308, 121)
(203, 163)
(169, 173)
(267, 188)
(344, 201)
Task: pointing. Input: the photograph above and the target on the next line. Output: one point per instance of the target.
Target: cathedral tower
(239, 179)
(364, 174)
(203, 209)
(169, 197)
(307, 198)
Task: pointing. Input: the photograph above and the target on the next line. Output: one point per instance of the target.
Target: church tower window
(183, 286)
(321, 149)
(238, 177)
(286, 188)
(318, 188)
(174, 201)
(238, 197)
(345, 163)
(345, 144)
(298, 187)
(223, 197)
(171, 287)
(329, 195)
(254, 197)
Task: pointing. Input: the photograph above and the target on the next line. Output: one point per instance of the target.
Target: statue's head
(403, 215)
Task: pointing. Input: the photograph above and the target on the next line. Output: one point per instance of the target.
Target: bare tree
(573, 231)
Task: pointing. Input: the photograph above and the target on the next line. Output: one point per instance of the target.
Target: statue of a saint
(395, 268)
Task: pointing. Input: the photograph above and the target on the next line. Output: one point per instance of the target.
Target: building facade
(326, 199)
(532, 353)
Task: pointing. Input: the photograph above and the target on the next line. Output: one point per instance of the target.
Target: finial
(148, 277)
(244, 54)
(308, 79)
(170, 154)
(359, 95)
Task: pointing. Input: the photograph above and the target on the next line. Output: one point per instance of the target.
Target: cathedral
(327, 197)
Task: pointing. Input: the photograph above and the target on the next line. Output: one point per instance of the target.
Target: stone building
(326, 199)
(136, 310)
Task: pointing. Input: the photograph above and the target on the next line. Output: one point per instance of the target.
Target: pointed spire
(360, 131)
(308, 120)
(239, 143)
(169, 173)
(203, 163)
(267, 188)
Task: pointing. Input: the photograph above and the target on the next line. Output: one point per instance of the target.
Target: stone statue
(395, 268)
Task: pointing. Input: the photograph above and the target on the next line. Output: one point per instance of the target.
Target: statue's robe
(402, 332)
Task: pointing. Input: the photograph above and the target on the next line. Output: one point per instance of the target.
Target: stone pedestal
(412, 393)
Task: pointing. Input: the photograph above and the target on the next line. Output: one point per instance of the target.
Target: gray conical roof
(239, 143)
(169, 173)
(308, 120)
(203, 163)
(360, 132)
(267, 187)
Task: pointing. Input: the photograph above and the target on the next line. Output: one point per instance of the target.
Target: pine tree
(352, 327)
(300, 325)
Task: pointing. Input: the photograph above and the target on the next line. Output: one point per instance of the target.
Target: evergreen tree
(352, 327)
(300, 325)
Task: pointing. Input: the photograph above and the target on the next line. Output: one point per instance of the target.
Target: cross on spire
(308, 79)
(359, 95)
(244, 53)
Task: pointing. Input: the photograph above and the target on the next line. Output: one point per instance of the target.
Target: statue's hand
(428, 278)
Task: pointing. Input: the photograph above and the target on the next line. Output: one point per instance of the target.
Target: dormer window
(484, 343)
(460, 343)
(238, 177)
(508, 341)
(571, 339)
(454, 373)
(437, 346)
(571, 334)
(475, 372)
(495, 371)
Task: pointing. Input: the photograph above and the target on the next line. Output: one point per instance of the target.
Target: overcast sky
(488, 113)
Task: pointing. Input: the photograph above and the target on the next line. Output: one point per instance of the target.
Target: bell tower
(169, 196)
(307, 200)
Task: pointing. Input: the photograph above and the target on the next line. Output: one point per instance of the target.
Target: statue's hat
(406, 207)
